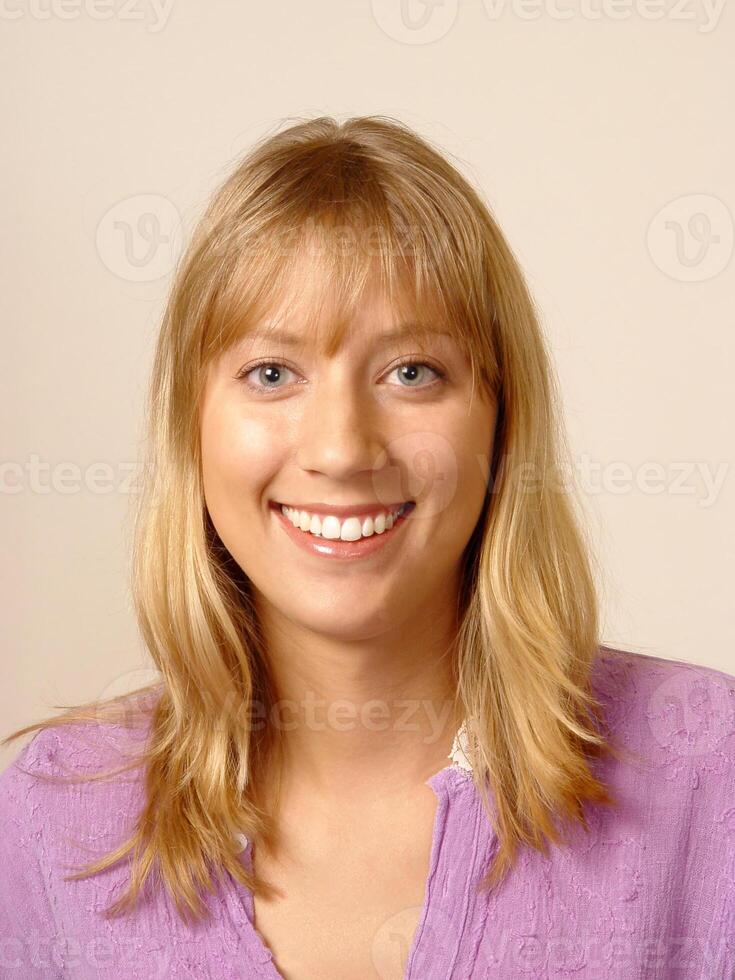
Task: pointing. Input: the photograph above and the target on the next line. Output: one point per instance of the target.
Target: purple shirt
(648, 893)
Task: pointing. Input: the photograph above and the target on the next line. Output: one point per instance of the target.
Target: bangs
(307, 251)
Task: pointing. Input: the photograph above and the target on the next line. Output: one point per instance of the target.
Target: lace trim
(460, 754)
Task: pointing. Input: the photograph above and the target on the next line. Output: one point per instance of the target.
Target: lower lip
(335, 548)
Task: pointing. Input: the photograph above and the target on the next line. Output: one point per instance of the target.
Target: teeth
(350, 529)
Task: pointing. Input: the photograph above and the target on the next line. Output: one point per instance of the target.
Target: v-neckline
(443, 785)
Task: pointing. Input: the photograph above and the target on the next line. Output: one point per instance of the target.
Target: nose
(339, 430)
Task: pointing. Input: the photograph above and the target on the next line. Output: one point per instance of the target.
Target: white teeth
(350, 529)
(330, 528)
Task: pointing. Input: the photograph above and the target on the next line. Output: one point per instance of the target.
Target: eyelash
(242, 375)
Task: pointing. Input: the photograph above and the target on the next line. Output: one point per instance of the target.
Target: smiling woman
(356, 558)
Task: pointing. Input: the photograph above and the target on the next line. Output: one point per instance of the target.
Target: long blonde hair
(382, 199)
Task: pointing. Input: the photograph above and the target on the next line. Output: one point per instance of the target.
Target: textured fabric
(647, 893)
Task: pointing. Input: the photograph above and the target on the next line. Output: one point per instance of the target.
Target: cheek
(447, 465)
(473, 444)
(239, 457)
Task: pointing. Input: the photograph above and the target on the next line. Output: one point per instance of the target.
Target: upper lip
(343, 510)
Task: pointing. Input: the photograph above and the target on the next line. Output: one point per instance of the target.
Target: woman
(355, 560)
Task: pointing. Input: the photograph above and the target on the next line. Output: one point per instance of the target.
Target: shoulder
(675, 723)
(611, 661)
(68, 749)
(81, 748)
(49, 789)
(687, 709)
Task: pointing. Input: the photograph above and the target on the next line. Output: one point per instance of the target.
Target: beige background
(601, 134)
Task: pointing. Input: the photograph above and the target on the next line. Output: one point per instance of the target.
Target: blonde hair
(528, 625)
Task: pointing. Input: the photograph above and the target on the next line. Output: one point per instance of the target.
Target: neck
(367, 718)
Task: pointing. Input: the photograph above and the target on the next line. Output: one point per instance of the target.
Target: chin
(348, 626)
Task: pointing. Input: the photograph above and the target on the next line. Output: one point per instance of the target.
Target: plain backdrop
(600, 133)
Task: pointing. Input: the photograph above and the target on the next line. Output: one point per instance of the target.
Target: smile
(352, 536)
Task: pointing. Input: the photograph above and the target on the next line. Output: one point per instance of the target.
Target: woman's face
(350, 436)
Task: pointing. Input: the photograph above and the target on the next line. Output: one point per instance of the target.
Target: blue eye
(410, 375)
(269, 372)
